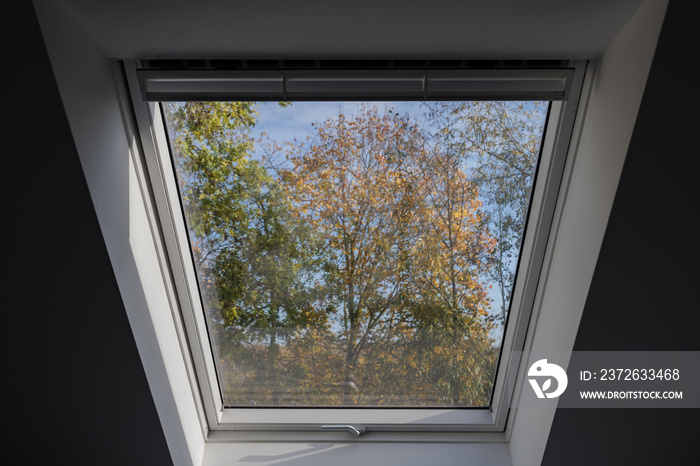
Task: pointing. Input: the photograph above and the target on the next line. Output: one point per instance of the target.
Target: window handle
(352, 430)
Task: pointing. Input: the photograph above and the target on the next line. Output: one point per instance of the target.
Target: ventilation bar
(390, 84)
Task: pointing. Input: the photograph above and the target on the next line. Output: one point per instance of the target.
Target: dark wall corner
(76, 388)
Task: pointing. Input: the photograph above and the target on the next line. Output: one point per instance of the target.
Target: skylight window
(355, 254)
(354, 243)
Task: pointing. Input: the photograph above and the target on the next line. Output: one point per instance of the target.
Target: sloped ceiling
(533, 29)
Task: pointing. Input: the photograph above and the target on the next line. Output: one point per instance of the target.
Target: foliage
(501, 140)
(356, 275)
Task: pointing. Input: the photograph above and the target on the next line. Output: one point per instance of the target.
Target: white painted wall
(601, 139)
(87, 88)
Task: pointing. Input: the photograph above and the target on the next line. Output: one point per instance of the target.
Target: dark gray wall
(644, 293)
(71, 353)
(75, 388)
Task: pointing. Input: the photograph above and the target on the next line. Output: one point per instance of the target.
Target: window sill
(341, 453)
(278, 437)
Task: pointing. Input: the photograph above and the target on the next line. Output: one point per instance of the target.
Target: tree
(449, 299)
(404, 244)
(249, 251)
(211, 148)
(501, 140)
(349, 186)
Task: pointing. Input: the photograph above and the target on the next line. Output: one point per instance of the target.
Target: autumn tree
(450, 260)
(501, 141)
(405, 244)
(348, 184)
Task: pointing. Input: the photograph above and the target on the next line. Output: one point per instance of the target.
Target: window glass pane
(356, 254)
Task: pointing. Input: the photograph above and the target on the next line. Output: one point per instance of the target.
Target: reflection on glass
(356, 254)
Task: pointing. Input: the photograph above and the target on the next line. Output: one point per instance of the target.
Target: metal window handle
(352, 430)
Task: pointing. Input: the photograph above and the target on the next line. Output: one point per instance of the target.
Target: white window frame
(160, 182)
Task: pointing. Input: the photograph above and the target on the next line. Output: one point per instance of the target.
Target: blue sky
(294, 122)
